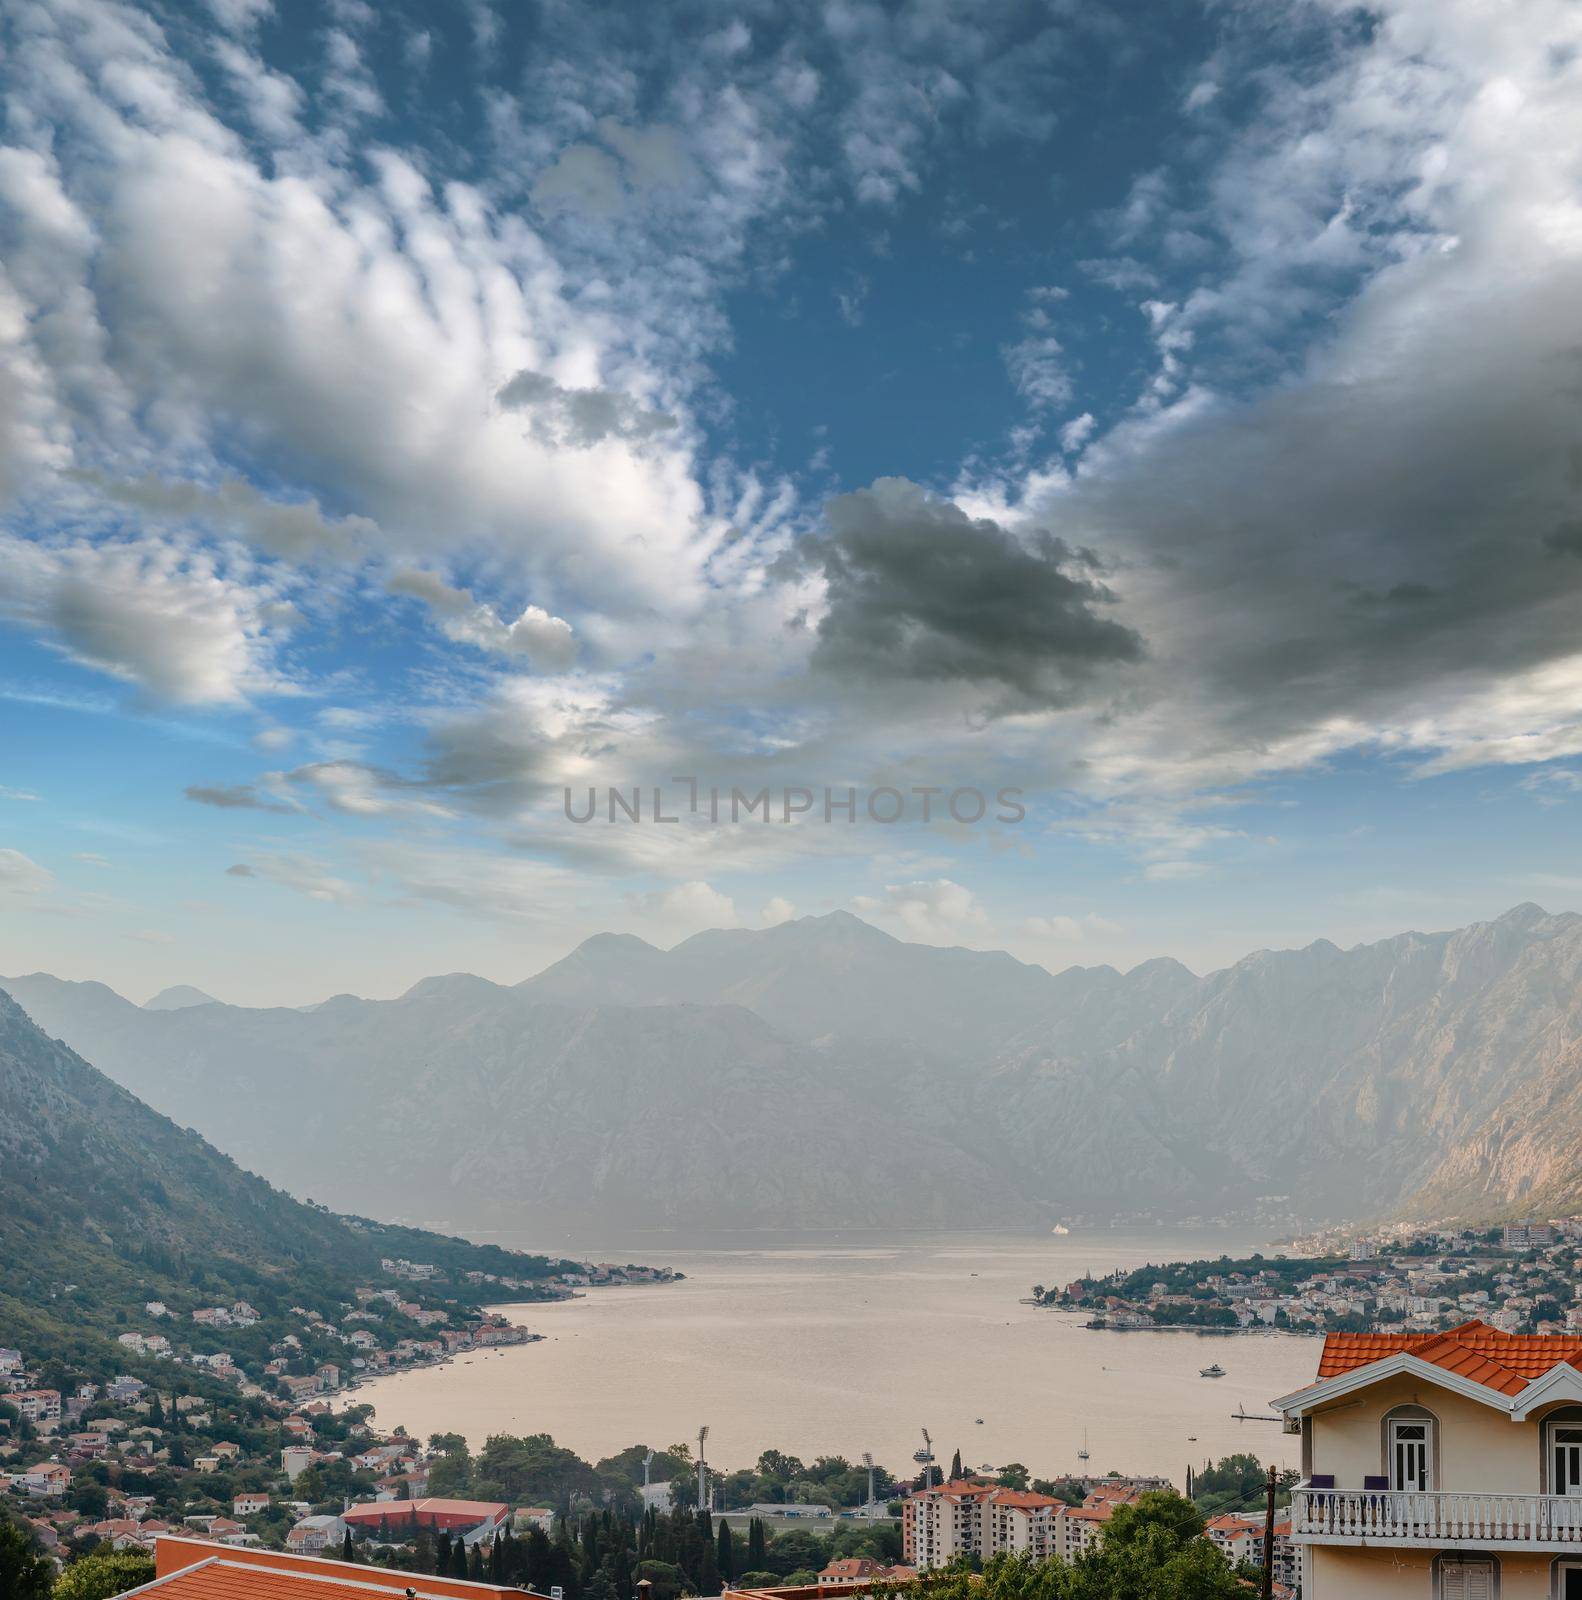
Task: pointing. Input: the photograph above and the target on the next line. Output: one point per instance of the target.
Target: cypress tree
(346, 1547)
(442, 1554)
(458, 1559)
(475, 1564)
(757, 1546)
(497, 1560)
(536, 1560)
(955, 1466)
(725, 1556)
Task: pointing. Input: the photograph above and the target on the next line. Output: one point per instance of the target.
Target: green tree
(1161, 1510)
(794, 1550)
(91, 1499)
(24, 1572)
(725, 1555)
(102, 1573)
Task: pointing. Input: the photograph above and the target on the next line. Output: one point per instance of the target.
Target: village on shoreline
(1518, 1277)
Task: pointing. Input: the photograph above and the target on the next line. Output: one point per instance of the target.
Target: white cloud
(1077, 432)
(547, 641)
(20, 875)
(775, 911)
(685, 908)
(932, 911)
(181, 624)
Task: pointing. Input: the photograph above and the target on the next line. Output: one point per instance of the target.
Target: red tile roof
(189, 1569)
(1504, 1362)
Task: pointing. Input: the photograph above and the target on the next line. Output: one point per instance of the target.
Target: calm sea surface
(853, 1342)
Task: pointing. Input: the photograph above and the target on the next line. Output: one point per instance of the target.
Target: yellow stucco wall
(1407, 1575)
(1480, 1450)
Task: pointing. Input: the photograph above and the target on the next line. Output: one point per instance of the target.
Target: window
(1408, 1453)
(1565, 1458)
(1466, 1580)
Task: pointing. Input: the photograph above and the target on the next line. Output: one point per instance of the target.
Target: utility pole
(1266, 1587)
(703, 1471)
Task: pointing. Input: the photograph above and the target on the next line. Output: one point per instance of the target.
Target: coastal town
(1520, 1277)
(282, 1463)
(226, 1421)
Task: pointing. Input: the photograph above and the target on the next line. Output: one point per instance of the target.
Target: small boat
(978, 1420)
(1060, 1228)
(1082, 1454)
(1215, 1371)
(1191, 1438)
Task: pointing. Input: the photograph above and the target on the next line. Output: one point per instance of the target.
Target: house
(313, 1534)
(37, 1405)
(48, 1477)
(1236, 1538)
(854, 1569)
(249, 1504)
(1444, 1465)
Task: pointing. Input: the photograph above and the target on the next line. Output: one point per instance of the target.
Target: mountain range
(823, 1074)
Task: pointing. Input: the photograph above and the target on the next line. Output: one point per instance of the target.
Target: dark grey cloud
(918, 590)
(232, 797)
(240, 870)
(580, 417)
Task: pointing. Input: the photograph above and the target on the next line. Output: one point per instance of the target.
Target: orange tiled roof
(1504, 1362)
(188, 1569)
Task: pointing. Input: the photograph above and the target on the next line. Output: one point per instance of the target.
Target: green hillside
(105, 1204)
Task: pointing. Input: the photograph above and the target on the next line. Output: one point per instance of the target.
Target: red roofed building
(854, 1569)
(969, 1516)
(192, 1569)
(407, 1516)
(1441, 1464)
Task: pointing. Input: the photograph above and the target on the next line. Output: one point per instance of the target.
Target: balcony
(1435, 1519)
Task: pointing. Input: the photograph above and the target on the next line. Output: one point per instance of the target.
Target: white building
(969, 1517)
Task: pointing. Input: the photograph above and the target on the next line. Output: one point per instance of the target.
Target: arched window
(1561, 1471)
(1411, 1448)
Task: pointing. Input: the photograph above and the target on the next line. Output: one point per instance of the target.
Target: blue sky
(410, 413)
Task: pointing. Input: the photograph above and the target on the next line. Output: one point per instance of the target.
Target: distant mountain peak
(843, 922)
(1524, 915)
(177, 997)
(451, 985)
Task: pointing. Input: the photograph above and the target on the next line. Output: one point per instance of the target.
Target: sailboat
(1082, 1454)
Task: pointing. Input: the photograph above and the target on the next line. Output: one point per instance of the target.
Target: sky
(1154, 424)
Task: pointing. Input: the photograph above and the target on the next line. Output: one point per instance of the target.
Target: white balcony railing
(1406, 1516)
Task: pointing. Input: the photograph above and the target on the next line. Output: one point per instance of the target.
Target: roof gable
(1511, 1371)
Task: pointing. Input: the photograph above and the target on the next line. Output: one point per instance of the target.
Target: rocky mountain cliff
(822, 1073)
